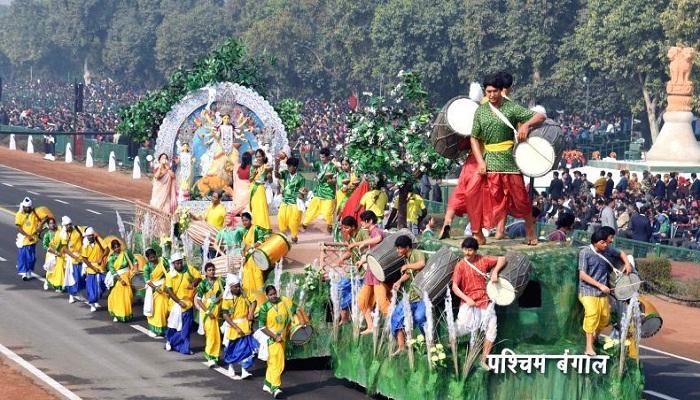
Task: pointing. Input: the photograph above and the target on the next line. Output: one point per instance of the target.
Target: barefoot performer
(415, 261)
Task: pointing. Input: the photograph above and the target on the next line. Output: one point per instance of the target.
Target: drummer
(415, 261)
(469, 284)
(155, 306)
(180, 284)
(595, 265)
(121, 267)
(351, 234)
(208, 299)
(249, 237)
(238, 313)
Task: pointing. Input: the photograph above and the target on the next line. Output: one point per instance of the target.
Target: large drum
(624, 286)
(141, 262)
(271, 251)
(197, 231)
(453, 126)
(383, 260)
(138, 284)
(227, 264)
(542, 150)
(300, 335)
(512, 279)
(436, 276)
(651, 319)
(43, 212)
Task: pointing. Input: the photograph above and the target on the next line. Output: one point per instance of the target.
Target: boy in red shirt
(469, 284)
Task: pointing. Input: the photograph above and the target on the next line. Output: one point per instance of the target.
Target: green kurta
(324, 190)
(292, 185)
(150, 267)
(489, 129)
(48, 236)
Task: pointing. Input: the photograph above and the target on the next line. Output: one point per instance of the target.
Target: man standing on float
(498, 177)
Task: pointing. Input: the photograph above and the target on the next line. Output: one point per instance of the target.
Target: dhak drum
(383, 260)
(271, 251)
(43, 212)
(141, 262)
(227, 263)
(453, 126)
(138, 284)
(542, 150)
(197, 231)
(300, 335)
(437, 274)
(512, 279)
(651, 319)
(624, 286)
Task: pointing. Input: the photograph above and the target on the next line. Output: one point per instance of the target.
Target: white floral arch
(274, 135)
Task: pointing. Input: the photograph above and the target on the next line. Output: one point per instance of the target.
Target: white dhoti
(471, 318)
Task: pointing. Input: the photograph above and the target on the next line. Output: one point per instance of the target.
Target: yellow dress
(258, 199)
(179, 283)
(253, 280)
(121, 296)
(277, 318)
(210, 295)
(215, 216)
(238, 308)
(55, 277)
(158, 322)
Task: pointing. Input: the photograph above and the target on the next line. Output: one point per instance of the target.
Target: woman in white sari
(164, 194)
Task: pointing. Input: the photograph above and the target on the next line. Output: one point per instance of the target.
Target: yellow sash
(501, 146)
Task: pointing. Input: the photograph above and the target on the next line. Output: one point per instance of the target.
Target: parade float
(539, 348)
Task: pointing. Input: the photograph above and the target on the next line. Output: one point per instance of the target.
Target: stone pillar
(676, 142)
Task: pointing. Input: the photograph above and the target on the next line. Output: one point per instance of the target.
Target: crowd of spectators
(48, 105)
(651, 208)
(323, 124)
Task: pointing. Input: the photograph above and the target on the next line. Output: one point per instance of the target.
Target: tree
(129, 48)
(624, 39)
(24, 37)
(389, 137)
(184, 36)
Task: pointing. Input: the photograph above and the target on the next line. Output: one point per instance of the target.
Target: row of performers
(78, 261)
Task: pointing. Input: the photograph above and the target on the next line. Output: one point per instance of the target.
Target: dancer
(94, 258)
(289, 215)
(71, 246)
(469, 284)
(28, 224)
(595, 265)
(375, 200)
(345, 182)
(238, 313)
(258, 198)
(121, 269)
(323, 203)
(180, 284)
(51, 255)
(155, 303)
(208, 299)
(164, 192)
(249, 237)
(415, 261)
(351, 234)
(275, 317)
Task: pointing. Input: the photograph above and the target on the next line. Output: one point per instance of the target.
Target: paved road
(96, 358)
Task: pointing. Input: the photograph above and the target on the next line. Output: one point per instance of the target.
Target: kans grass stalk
(451, 330)
(408, 326)
(428, 328)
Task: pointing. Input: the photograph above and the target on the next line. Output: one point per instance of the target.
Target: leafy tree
(24, 36)
(389, 137)
(289, 111)
(183, 37)
(129, 48)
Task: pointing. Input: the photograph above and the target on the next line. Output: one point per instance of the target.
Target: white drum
(460, 115)
(542, 150)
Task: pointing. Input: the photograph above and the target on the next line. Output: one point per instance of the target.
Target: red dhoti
(467, 192)
(489, 198)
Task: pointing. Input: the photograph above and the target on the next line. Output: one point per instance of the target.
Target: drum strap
(605, 259)
(478, 271)
(503, 119)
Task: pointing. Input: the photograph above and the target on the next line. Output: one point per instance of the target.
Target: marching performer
(155, 303)
(180, 284)
(51, 253)
(28, 224)
(373, 291)
(289, 215)
(238, 311)
(595, 265)
(275, 317)
(345, 182)
(210, 292)
(415, 261)
(258, 198)
(323, 203)
(469, 284)
(375, 200)
(121, 268)
(249, 237)
(94, 258)
(71, 246)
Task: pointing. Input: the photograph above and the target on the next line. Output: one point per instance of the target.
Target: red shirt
(471, 282)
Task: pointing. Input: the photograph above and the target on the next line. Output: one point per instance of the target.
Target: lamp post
(585, 81)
